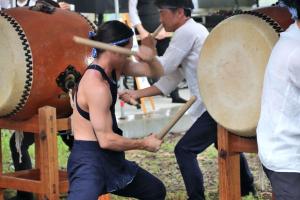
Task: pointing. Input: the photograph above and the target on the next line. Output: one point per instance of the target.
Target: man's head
(174, 13)
(115, 33)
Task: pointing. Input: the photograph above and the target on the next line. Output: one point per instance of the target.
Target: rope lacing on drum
(29, 64)
(267, 19)
(89, 22)
(262, 16)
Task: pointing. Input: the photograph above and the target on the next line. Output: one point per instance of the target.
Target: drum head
(231, 70)
(13, 68)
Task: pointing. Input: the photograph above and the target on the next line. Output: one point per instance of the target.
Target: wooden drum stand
(46, 179)
(229, 148)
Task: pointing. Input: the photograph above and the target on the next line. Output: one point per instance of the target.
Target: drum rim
(28, 60)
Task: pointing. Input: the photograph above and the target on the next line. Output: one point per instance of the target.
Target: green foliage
(6, 155)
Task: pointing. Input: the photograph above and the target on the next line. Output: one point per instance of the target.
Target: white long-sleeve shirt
(15, 3)
(133, 12)
(278, 131)
(4, 4)
(184, 50)
(32, 3)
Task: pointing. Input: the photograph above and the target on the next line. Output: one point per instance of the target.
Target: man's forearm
(148, 92)
(141, 30)
(116, 142)
(156, 68)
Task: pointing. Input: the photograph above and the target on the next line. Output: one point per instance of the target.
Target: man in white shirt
(144, 16)
(278, 131)
(4, 4)
(22, 3)
(183, 51)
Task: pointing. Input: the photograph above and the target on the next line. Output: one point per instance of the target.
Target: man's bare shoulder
(95, 86)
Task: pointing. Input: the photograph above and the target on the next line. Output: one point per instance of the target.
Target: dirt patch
(163, 165)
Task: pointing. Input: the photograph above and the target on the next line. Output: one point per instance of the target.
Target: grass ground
(163, 165)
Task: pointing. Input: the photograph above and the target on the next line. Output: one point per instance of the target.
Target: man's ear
(180, 11)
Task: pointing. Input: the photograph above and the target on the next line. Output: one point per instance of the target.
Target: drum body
(232, 64)
(35, 47)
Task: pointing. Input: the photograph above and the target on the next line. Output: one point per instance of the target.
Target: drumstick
(102, 45)
(157, 31)
(177, 116)
(154, 34)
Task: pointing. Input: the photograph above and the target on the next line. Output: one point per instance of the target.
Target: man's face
(169, 19)
(121, 59)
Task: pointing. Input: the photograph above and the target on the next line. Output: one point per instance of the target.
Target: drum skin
(232, 64)
(37, 48)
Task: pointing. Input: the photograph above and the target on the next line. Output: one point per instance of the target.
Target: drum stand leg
(229, 148)
(47, 154)
(44, 179)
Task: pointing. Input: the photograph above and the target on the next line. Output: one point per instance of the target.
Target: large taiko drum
(35, 47)
(232, 64)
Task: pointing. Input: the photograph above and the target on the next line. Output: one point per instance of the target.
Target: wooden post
(46, 180)
(229, 148)
(141, 83)
(48, 151)
(229, 168)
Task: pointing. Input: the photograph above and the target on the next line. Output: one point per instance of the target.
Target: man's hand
(142, 31)
(150, 42)
(64, 6)
(152, 143)
(145, 54)
(163, 34)
(143, 34)
(128, 95)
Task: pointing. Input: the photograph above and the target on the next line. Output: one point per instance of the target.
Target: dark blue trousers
(144, 186)
(285, 185)
(92, 172)
(201, 135)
